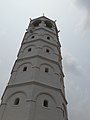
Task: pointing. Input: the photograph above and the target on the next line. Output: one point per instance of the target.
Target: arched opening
(24, 69)
(29, 49)
(48, 24)
(48, 38)
(36, 23)
(45, 103)
(46, 70)
(47, 50)
(32, 37)
(16, 102)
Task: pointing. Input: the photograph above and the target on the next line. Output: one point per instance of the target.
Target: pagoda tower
(35, 90)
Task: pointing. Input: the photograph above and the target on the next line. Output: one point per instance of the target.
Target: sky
(73, 21)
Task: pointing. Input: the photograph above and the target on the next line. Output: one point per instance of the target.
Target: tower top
(43, 21)
(43, 17)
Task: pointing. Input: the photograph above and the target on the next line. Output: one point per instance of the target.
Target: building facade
(35, 90)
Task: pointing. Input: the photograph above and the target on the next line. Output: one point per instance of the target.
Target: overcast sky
(73, 20)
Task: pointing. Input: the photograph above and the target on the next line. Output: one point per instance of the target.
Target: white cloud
(71, 65)
(81, 106)
(84, 6)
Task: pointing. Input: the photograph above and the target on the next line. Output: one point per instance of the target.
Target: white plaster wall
(35, 85)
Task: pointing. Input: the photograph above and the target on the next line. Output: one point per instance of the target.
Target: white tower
(36, 87)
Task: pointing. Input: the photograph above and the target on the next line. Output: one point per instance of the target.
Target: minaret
(35, 90)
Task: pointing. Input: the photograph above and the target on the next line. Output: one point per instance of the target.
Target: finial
(43, 14)
(30, 19)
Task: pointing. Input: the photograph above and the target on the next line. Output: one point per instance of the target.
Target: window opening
(17, 101)
(32, 37)
(29, 49)
(24, 69)
(46, 70)
(45, 103)
(47, 50)
(48, 38)
(48, 24)
(36, 23)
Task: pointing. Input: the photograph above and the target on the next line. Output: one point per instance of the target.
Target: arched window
(29, 49)
(24, 69)
(46, 70)
(45, 103)
(32, 37)
(48, 24)
(48, 38)
(36, 23)
(47, 50)
(17, 100)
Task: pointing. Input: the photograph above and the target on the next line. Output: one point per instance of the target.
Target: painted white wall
(30, 83)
